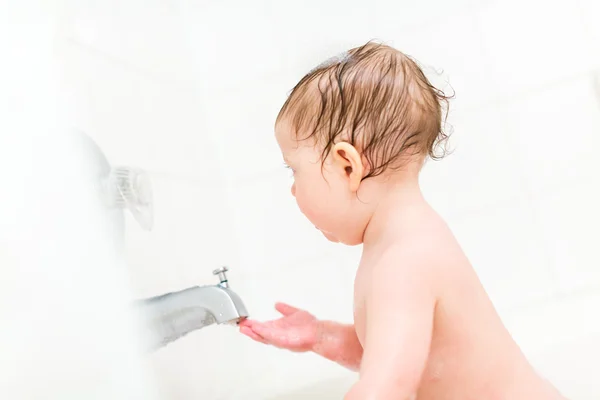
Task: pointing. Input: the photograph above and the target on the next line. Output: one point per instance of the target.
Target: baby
(355, 132)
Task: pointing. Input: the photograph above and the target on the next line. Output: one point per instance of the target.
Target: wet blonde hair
(377, 99)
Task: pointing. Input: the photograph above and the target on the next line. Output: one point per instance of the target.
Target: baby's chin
(332, 238)
(329, 236)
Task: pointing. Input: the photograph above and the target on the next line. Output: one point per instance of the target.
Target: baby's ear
(347, 157)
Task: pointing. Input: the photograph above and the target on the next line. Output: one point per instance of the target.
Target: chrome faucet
(170, 316)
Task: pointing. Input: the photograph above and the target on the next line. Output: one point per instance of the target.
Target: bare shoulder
(430, 237)
(426, 238)
(420, 253)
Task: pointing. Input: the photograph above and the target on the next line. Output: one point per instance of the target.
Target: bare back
(471, 356)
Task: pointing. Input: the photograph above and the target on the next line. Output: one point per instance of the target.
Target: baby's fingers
(245, 322)
(251, 334)
(285, 309)
(268, 333)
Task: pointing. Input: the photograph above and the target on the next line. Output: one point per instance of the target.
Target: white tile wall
(569, 219)
(555, 133)
(591, 14)
(507, 252)
(191, 236)
(189, 90)
(532, 43)
(483, 169)
(273, 231)
(231, 44)
(247, 142)
(137, 120)
(146, 36)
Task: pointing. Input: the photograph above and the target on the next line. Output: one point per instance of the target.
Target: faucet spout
(171, 316)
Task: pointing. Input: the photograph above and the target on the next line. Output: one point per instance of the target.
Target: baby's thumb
(285, 309)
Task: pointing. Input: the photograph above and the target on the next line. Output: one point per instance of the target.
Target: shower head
(131, 188)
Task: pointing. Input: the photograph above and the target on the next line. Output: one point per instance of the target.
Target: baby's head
(363, 119)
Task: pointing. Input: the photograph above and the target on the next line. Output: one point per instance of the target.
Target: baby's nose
(294, 189)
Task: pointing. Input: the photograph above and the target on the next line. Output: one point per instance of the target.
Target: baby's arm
(400, 308)
(339, 343)
(300, 331)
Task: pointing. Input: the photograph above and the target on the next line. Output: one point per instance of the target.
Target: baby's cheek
(308, 207)
(300, 200)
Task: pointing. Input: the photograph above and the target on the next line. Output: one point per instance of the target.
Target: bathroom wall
(189, 91)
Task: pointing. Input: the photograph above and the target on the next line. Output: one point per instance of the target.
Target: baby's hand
(297, 330)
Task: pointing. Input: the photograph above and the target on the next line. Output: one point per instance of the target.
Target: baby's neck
(397, 199)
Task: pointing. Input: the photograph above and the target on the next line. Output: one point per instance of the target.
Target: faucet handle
(220, 272)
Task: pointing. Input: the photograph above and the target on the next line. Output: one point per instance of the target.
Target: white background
(189, 90)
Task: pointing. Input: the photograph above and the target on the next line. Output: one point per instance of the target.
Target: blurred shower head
(131, 188)
(119, 187)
